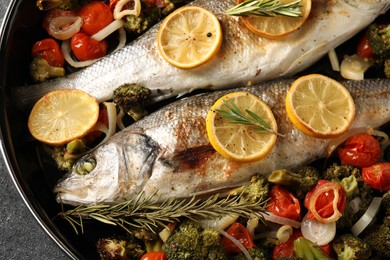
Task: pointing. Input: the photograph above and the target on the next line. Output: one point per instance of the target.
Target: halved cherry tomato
(360, 150)
(364, 49)
(377, 176)
(86, 48)
(154, 256)
(50, 50)
(96, 15)
(283, 203)
(239, 232)
(103, 118)
(324, 202)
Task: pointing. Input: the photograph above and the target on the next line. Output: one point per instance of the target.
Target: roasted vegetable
(41, 70)
(120, 248)
(379, 38)
(349, 247)
(337, 172)
(66, 156)
(256, 191)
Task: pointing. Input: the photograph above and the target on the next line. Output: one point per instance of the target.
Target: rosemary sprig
(235, 116)
(148, 212)
(268, 8)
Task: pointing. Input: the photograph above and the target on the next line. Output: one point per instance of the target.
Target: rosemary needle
(268, 8)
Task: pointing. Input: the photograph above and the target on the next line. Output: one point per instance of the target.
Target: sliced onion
(284, 233)
(251, 225)
(334, 60)
(353, 67)
(219, 222)
(317, 232)
(354, 205)
(64, 27)
(236, 242)
(65, 48)
(119, 12)
(367, 217)
(329, 186)
(109, 29)
(269, 216)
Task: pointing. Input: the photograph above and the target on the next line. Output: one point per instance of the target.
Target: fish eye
(84, 166)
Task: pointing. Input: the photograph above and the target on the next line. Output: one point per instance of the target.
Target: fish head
(113, 172)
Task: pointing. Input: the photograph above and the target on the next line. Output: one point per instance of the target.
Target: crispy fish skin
(168, 152)
(244, 57)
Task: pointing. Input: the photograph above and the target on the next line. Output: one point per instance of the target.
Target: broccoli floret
(190, 241)
(350, 186)
(41, 70)
(301, 181)
(306, 249)
(387, 68)
(66, 156)
(257, 253)
(131, 98)
(378, 238)
(349, 247)
(386, 203)
(256, 191)
(379, 38)
(119, 248)
(338, 172)
(363, 197)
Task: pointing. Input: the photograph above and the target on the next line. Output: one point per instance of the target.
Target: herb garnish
(236, 116)
(268, 8)
(148, 212)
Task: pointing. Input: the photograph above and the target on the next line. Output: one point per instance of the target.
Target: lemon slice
(236, 141)
(277, 26)
(189, 37)
(62, 116)
(320, 106)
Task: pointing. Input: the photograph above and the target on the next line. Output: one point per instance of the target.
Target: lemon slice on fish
(63, 115)
(320, 106)
(189, 37)
(238, 141)
(277, 26)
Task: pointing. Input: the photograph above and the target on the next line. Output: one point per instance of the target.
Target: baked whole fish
(168, 152)
(243, 57)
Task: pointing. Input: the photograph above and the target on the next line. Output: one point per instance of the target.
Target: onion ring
(64, 27)
(119, 13)
(330, 186)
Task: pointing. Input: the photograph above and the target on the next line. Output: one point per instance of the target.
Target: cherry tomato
(103, 118)
(360, 150)
(377, 176)
(154, 256)
(364, 49)
(86, 48)
(239, 232)
(96, 15)
(283, 203)
(324, 203)
(50, 50)
(286, 249)
(53, 13)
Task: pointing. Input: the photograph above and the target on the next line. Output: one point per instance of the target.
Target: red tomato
(239, 232)
(286, 249)
(86, 48)
(103, 118)
(364, 49)
(53, 13)
(50, 50)
(154, 256)
(159, 3)
(283, 203)
(360, 150)
(324, 202)
(377, 176)
(96, 16)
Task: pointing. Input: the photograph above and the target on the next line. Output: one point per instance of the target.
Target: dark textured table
(21, 237)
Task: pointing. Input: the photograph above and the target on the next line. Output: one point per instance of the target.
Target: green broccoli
(41, 70)
(379, 38)
(301, 181)
(387, 68)
(378, 237)
(66, 156)
(190, 241)
(337, 172)
(120, 248)
(349, 247)
(306, 249)
(131, 99)
(386, 203)
(363, 196)
(350, 186)
(257, 253)
(256, 191)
